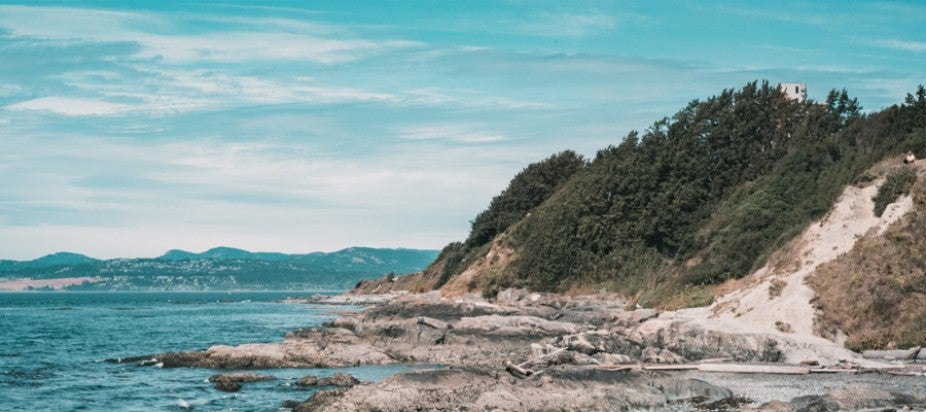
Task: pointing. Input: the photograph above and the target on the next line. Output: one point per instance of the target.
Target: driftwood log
(742, 368)
(518, 371)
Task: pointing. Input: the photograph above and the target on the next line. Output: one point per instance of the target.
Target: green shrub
(897, 184)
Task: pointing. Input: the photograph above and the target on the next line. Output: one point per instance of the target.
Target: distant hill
(52, 260)
(224, 268)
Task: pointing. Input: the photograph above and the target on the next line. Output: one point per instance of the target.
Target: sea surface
(54, 346)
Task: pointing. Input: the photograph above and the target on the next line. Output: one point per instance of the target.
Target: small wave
(63, 308)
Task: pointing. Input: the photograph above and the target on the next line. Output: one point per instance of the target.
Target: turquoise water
(53, 348)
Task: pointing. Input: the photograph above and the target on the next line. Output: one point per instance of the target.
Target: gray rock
(231, 382)
(571, 389)
(338, 379)
(856, 398)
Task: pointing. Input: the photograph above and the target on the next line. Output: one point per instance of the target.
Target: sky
(131, 128)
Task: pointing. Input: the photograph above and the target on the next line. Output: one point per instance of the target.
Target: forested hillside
(698, 198)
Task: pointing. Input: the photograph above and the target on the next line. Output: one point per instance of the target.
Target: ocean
(54, 346)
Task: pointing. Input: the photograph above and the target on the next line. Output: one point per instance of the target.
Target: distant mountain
(224, 268)
(177, 254)
(47, 261)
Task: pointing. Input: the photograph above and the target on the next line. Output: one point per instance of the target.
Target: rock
(687, 389)
(231, 382)
(341, 379)
(855, 398)
(695, 343)
(642, 315)
(516, 325)
(318, 399)
(338, 379)
(557, 389)
(240, 377)
(309, 380)
(775, 406)
(809, 363)
(613, 359)
(657, 355)
(228, 386)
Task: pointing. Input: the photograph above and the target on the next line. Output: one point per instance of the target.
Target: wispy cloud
(568, 24)
(903, 45)
(71, 106)
(246, 46)
(272, 43)
(453, 132)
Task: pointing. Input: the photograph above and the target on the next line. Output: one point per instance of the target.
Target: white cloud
(247, 46)
(69, 106)
(903, 45)
(453, 132)
(276, 42)
(568, 24)
(10, 90)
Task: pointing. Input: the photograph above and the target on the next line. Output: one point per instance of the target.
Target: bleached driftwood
(742, 368)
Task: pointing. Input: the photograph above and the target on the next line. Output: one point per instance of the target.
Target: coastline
(530, 351)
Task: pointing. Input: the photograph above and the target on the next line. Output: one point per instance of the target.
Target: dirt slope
(775, 300)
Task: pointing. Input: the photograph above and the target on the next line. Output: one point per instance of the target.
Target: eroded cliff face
(874, 295)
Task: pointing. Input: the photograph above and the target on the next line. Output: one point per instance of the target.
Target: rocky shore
(529, 351)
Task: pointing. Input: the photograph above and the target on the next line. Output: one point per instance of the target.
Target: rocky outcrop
(556, 389)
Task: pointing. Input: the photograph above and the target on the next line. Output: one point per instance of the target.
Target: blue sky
(129, 128)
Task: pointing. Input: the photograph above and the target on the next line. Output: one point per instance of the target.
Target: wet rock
(338, 379)
(228, 386)
(240, 377)
(310, 380)
(231, 382)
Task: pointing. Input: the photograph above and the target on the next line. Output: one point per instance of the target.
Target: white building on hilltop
(794, 91)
